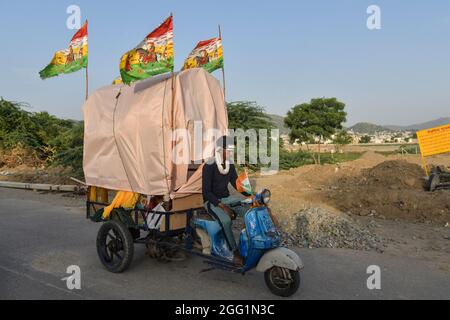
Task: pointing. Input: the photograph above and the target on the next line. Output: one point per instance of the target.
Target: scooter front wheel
(281, 281)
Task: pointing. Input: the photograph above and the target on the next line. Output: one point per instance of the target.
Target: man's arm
(207, 177)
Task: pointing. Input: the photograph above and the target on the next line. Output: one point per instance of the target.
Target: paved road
(39, 239)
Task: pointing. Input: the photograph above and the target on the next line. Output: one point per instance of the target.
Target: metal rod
(87, 72)
(223, 68)
(87, 81)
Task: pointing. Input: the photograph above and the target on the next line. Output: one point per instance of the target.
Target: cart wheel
(115, 246)
(282, 282)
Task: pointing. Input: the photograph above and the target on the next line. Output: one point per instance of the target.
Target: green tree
(365, 139)
(342, 138)
(319, 119)
(247, 115)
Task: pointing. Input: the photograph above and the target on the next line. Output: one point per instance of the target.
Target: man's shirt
(215, 184)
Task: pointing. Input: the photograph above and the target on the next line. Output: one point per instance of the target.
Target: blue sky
(277, 53)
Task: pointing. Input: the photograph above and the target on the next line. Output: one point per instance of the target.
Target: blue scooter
(259, 245)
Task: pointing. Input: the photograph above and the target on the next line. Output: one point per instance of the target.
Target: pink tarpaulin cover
(129, 139)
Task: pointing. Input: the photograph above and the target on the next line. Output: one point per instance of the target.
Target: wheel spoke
(280, 278)
(111, 255)
(111, 236)
(118, 255)
(116, 234)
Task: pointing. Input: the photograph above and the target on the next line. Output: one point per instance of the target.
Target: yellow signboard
(434, 141)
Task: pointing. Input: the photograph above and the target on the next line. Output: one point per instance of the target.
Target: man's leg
(235, 205)
(225, 222)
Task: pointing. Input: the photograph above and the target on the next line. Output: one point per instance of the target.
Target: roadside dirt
(383, 195)
(27, 174)
(392, 189)
(24, 165)
(387, 187)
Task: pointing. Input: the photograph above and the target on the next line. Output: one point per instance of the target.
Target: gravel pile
(319, 228)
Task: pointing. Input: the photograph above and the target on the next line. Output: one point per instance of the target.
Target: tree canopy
(342, 138)
(365, 139)
(247, 115)
(319, 119)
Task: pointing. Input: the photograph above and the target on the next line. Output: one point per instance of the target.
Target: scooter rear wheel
(281, 281)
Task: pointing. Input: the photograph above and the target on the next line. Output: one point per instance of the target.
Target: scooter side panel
(219, 246)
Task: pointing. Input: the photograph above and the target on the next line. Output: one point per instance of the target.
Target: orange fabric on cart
(123, 199)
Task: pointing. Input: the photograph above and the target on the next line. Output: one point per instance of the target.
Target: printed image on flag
(243, 184)
(207, 54)
(153, 56)
(72, 59)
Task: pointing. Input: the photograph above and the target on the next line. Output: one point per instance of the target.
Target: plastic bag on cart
(154, 219)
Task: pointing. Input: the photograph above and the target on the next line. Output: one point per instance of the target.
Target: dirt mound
(392, 174)
(319, 228)
(393, 190)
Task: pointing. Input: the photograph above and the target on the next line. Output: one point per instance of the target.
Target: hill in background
(367, 128)
(278, 122)
(370, 128)
(421, 126)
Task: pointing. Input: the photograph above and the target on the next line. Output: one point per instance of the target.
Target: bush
(53, 141)
(296, 159)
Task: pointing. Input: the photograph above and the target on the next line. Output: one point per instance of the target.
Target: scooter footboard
(280, 257)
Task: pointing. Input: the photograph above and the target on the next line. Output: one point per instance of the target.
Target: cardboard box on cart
(178, 220)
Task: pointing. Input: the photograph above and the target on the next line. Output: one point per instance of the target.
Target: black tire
(115, 246)
(282, 282)
(433, 182)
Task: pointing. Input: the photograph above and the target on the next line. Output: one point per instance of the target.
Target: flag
(243, 184)
(207, 54)
(153, 56)
(72, 59)
(117, 81)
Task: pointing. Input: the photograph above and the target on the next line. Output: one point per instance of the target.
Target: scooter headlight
(265, 196)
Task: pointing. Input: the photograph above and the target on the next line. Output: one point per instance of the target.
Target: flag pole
(223, 68)
(87, 72)
(169, 180)
(87, 82)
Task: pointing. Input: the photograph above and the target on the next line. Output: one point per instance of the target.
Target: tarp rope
(164, 136)
(115, 140)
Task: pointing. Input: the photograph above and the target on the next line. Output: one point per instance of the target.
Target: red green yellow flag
(243, 184)
(153, 56)
(207, 54)
(117, 81)
(72, 59)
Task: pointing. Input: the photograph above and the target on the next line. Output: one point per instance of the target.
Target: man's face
(228, 154)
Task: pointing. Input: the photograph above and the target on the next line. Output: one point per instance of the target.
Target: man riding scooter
(217, 175)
